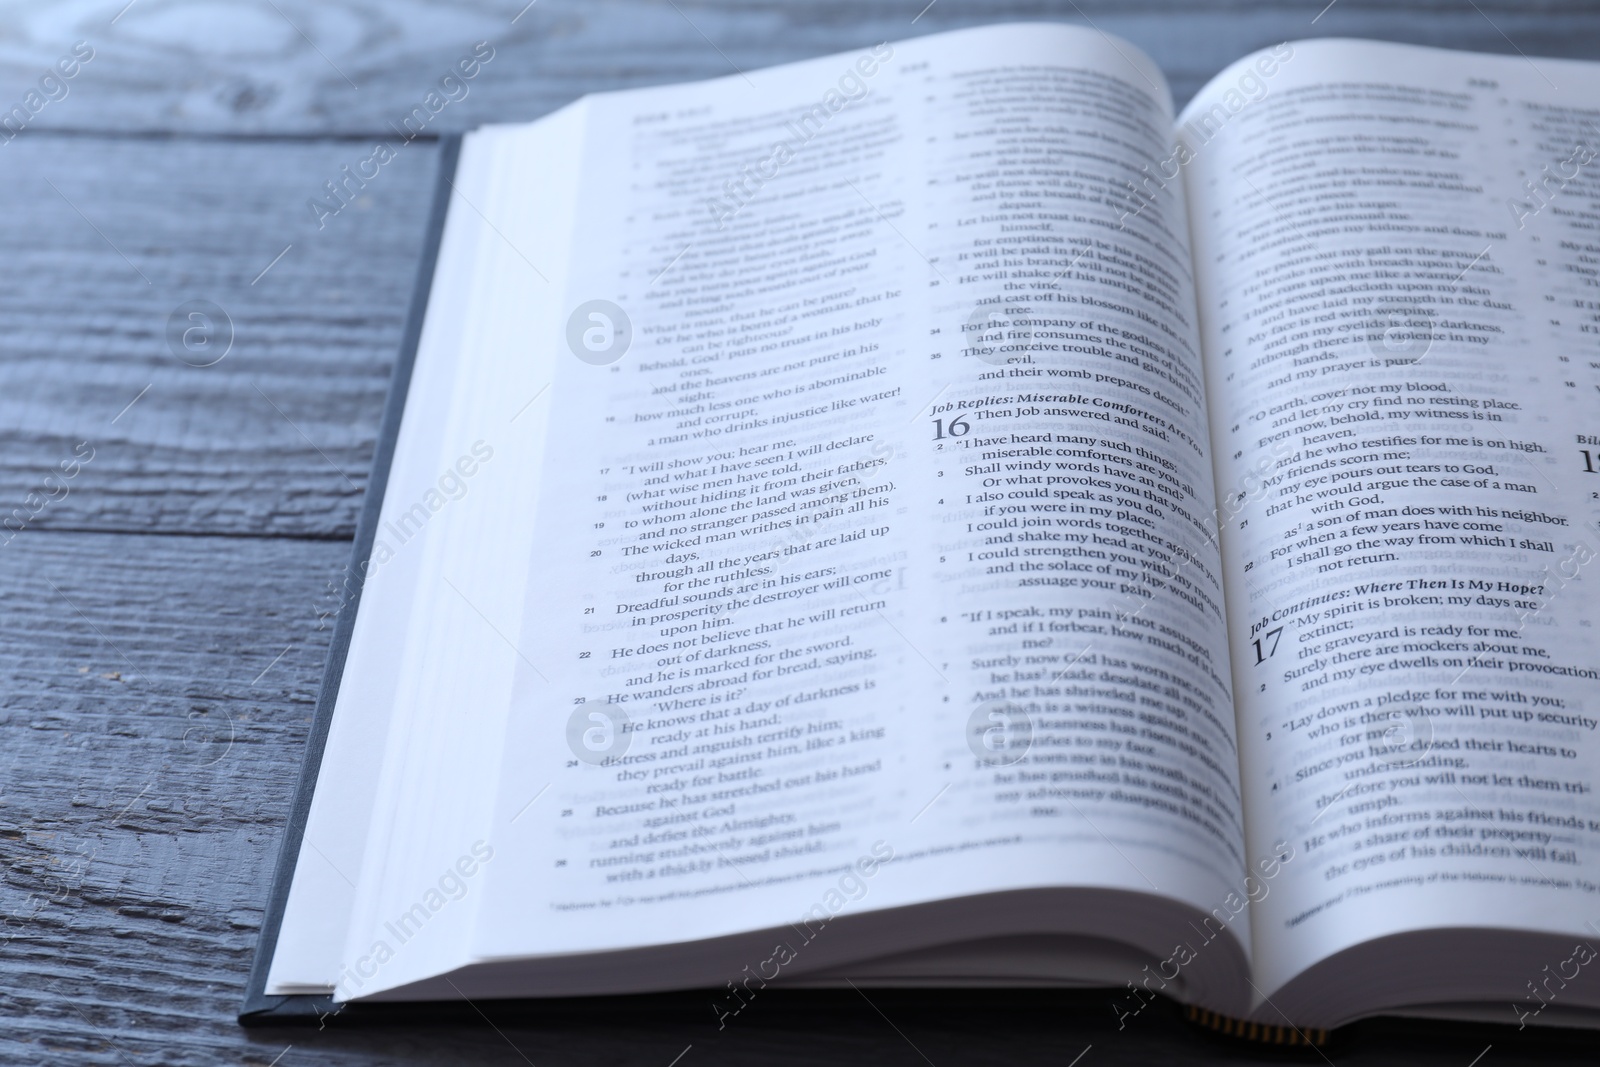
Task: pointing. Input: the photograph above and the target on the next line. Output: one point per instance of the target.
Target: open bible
(933, 516)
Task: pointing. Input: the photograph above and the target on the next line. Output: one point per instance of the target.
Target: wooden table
(164, 610)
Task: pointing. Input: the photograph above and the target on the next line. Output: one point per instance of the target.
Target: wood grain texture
(353, 67)
(157, 694)
(118, 233)
(162, 623)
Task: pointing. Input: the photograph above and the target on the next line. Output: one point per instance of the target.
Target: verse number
(958, 427)
(1271, 635)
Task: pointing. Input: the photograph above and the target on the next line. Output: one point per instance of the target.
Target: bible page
(1400, 251)
(880, 572)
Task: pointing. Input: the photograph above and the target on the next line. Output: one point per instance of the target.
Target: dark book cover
(258, 1005)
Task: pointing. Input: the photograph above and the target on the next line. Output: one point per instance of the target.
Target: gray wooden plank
(315, 67)
(157, 695)
(118, 234)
